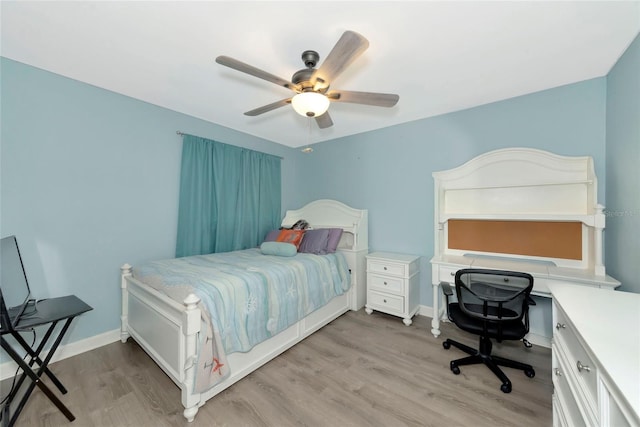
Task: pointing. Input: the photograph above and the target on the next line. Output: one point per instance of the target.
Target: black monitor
(14, 287)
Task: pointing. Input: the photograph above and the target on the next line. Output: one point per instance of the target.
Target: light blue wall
(623, 170)
(89, 181)
(89, 178)
(389, 171)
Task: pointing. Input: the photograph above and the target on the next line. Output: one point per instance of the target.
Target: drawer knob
(452, 273)
(558, 372)
(384, 268)
(560, 326)
(582, 367)
(385, 283)
(385, 301)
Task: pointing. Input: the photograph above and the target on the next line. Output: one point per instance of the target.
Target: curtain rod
(280, 157)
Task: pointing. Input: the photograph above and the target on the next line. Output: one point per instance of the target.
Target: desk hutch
(529, 210)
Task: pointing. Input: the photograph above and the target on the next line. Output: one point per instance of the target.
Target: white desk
(596, 357)
(444, 267)
(520, 209)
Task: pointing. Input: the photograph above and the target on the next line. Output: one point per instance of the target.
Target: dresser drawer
(568, 411)
(386, 284)
(390, 268)
(385, 302)
(579, 363)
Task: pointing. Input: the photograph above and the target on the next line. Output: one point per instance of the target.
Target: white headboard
(333, 214)
(327, 213)
(523, 185)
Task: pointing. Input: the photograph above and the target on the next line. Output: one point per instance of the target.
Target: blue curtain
(230, 197)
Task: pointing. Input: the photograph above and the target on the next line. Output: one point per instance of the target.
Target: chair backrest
(493, 295)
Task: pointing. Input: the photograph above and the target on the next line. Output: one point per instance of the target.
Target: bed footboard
(166, 330)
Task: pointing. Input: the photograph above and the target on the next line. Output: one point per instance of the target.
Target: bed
(170, 330)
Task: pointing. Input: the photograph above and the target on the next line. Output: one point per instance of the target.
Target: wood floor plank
(360, 370)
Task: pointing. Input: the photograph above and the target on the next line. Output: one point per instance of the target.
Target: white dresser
(393, 284)
(595, 357)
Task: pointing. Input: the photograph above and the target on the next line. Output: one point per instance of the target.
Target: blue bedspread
(250, 296)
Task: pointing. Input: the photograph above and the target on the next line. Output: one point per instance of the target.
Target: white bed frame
(168, 331)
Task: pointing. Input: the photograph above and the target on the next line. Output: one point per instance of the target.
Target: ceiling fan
(311, 85)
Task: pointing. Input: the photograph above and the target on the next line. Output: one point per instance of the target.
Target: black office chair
(492, 304)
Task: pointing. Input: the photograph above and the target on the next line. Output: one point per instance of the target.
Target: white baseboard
(534, 339)
(7, 369)
(426, 311)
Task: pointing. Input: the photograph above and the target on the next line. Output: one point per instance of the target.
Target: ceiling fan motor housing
(310, 58)
(303, 77)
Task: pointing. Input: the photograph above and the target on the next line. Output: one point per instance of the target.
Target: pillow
(272, 236)
(315, 241)
(346, 241)
(334, 237)
(290, 236)
(278, 248)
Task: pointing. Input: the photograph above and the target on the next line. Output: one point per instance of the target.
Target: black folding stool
(49, 311)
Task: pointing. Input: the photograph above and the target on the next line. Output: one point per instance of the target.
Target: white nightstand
(393, 284)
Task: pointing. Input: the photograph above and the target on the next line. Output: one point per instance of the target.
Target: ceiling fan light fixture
(310, 104)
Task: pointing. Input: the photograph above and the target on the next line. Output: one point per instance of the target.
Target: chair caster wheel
(506, 388)
(455, 369)
(530, 373)
(446, 345)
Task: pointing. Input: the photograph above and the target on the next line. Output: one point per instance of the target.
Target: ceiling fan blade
(368, 98)
(268, 107)
(256, 72)
(324, 121)
(347, 49)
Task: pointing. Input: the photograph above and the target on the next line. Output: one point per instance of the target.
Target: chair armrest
(446, 288)
(448, 292)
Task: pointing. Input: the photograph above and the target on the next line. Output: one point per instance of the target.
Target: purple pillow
(272, 236)
(334, 239)
(315, 241)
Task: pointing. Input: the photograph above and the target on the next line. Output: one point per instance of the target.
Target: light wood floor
(360, 370)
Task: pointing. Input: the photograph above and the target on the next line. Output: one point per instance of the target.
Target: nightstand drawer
(387, 268)
(388, 303)
(386, 284)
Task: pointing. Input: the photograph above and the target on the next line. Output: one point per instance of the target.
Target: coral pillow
(272, 236)
(291, 236)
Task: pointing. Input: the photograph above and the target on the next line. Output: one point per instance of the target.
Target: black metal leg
(36, 376)
(511, 363)
(36, 381)
(34, 355)
(496, 370)
(463, 347)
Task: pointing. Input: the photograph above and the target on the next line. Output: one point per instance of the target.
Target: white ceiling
(438, 56)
